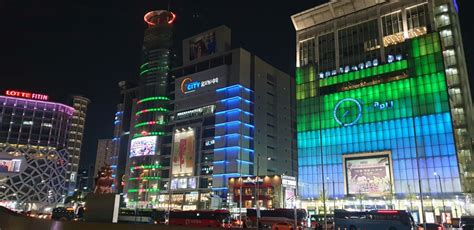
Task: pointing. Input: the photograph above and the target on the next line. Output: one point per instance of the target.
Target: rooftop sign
(34, 96)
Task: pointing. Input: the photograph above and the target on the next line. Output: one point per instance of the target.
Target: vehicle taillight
(440, 228)
(387, 211)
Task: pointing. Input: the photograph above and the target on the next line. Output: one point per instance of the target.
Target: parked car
(466, 223)
(430, 226)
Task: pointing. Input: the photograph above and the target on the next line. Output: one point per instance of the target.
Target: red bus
(270, 217)
(200, 218)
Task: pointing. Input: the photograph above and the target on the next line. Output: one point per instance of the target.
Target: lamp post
(333, 194)
(443, 217)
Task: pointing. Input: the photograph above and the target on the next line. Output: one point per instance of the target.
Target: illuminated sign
(367, 174)
(209, 109)
(183, 153)
(348, 111)
(34, 96)
(189, 86)
(143, 146)
(209, 142)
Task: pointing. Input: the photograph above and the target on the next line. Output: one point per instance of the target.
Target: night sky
(86, 47)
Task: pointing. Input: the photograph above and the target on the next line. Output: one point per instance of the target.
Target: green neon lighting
(160, 109)
(149, 123)
(153, 99)
(149, 134)
(422, 92)
(158, 68)
(143, 190)
(145, 167)
(145, 178)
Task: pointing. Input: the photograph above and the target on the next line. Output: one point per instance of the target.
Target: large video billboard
(143, 146)
(367, 174)
(183, 152)
(10, 165)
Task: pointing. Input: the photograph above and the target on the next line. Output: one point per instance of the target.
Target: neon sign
(348, 111)
(189, 86)
(34, 96)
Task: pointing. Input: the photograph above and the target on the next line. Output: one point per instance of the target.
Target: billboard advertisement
(202, 45)
(206, 81)
(10, 165)
(143, 146)
(183, 152)
(368, 174)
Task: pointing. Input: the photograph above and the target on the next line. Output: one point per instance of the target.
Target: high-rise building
(383, 107)
(74, 139)
(230, 115)
(105, 149)
(33, 155)
(121, 137)
(150, 111)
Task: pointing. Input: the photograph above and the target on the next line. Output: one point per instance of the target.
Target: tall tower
(151, 111)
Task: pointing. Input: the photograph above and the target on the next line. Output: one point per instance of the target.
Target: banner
(183, 152)
(369, 175)
(10, 165)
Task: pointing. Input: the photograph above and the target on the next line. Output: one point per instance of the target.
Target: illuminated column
(234, 130)
(151, 113)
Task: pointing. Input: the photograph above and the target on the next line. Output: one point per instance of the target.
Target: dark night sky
(63, 47)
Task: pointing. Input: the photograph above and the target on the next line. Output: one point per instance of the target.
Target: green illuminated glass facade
(401, 108)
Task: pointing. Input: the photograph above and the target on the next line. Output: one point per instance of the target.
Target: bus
(149, 216)
(270, 217)
(373, 220)
(200, 218)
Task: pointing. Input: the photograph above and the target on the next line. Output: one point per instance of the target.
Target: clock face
(347, 111)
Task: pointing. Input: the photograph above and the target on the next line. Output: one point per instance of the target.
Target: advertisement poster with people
(143, 146)
(202, 46)
(368, 175)
(10, 165)
(183, 152)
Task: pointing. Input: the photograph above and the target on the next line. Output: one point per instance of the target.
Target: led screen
(10, 165)
(202, 46)
(368, 175)
(143, 146)
(183, 152)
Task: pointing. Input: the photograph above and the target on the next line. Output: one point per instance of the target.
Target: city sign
(34, 96)
(189, 86)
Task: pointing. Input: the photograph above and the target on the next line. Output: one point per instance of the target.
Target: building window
(307, 52)
(417, 20)
(327, 53)
(442, 20)
(392, 26)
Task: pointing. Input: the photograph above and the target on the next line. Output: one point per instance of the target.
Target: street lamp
(333, 195)
(443, 218)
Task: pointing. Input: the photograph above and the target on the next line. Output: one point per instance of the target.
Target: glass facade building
(378, 121)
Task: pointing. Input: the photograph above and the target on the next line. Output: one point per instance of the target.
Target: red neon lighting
(387, 211)
(148, 17)
(34, 96)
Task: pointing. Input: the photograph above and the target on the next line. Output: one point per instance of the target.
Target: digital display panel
(368, 175)
(183, 152)
(143, 146)
(202, 45)
(10, 165)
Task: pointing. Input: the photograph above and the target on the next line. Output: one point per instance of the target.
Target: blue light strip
(234, 122)
(245, 162)
(234, 147)
(233, 110)
(220, 162)
(233, 134)
(233, 87)
(220, 188)
(230, 175)
(236, 98)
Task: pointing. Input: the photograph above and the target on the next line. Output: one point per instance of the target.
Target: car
(466, 223)
(282, 226)
(430, 226)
